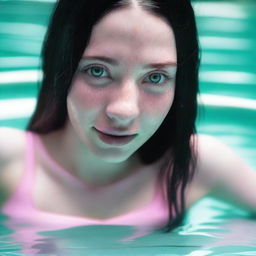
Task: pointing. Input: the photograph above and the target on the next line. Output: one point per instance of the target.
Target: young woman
(113, 138)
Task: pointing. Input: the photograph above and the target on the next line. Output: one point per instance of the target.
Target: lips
(116, 132)
(114, 137)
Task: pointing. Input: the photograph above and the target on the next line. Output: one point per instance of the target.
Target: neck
(75, 157)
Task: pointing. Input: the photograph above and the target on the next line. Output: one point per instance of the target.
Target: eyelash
(85, 70)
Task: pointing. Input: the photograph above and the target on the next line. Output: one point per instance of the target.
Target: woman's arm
(224, 174)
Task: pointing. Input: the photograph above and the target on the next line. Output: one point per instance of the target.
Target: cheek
(155, 111)
(83, 103)
(85, 96)
(159, 105)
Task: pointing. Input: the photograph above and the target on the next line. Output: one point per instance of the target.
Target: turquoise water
(227, 110)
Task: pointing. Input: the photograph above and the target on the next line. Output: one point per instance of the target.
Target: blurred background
(227, 100)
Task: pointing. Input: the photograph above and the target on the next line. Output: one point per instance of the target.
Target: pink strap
(25, 188)
(29, 173)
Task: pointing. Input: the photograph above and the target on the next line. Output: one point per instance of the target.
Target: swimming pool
(227, 111)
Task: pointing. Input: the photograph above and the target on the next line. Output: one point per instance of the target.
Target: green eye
(158, 78)
(96, 71)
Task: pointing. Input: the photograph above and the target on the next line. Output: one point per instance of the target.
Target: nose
(123, 107)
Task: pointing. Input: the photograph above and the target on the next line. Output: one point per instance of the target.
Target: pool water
(210, 228)
(227, 110)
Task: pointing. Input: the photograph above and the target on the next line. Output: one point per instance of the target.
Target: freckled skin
(126, 98)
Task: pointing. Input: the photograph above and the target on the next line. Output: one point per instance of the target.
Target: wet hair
(68, 35)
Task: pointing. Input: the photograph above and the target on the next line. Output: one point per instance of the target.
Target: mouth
(114, 139)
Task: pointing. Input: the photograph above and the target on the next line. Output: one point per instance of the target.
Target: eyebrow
(115, 62)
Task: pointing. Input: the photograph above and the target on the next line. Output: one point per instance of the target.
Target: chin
(113, 156)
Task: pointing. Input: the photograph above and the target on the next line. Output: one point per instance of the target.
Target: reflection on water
(210, 227)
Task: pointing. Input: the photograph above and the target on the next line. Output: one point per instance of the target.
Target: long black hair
(67, 36)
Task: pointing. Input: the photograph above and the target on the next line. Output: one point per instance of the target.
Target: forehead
(132, 34)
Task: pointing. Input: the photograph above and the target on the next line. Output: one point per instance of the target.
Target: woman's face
(124, 84)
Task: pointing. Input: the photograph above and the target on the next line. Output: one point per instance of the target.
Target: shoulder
(207, 141)
(12, 152)
(12, 144)
(219, 172)
(213, 153)
(211, 150)
(204, 147)
(212, 157)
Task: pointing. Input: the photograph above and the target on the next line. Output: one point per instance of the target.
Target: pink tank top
(20, 205)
